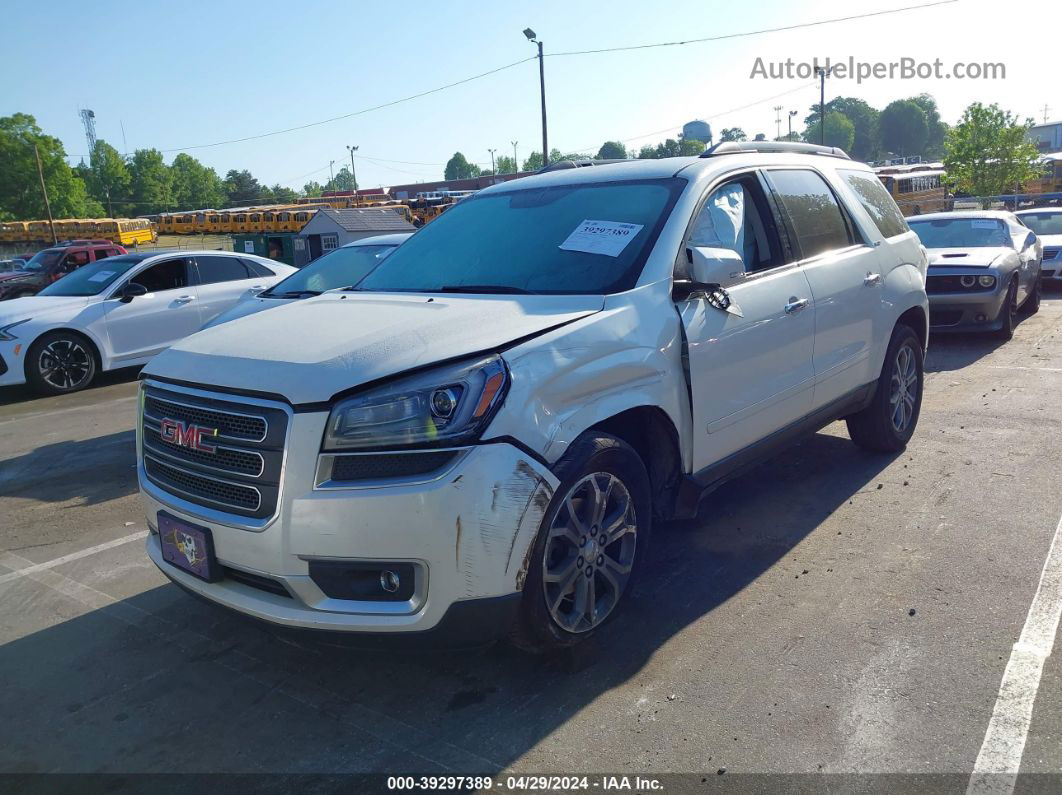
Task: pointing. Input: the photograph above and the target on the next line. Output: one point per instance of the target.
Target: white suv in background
(476, 441)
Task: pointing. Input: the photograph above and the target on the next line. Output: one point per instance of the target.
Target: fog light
(967, 281)
(390, 581)
(987, 281)
(980, 318)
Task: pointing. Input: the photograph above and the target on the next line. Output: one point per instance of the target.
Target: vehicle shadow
(25, 394)
(949, 352)
(159, 681)
(93, 470)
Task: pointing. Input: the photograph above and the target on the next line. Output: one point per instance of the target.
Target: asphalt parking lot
(829, 612)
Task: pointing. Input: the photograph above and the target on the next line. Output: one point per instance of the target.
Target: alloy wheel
(65, 364)
(904, 388)
(589, 552)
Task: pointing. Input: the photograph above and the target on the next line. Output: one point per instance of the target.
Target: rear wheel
(1008, 313)
(590, 545)
(888, 423)
(60, 362)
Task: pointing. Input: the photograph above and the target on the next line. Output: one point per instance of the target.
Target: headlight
(5, 331)
(967, 281)
(986, 281)
(443, 406)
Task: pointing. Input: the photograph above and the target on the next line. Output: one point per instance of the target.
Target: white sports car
(120, 312)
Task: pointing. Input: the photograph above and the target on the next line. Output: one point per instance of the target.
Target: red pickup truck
(52, 264)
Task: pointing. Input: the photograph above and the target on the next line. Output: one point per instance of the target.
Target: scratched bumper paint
(468, 541)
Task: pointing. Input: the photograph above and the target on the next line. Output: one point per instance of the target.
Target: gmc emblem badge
(187, 434)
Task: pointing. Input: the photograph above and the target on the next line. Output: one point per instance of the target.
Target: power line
(743, 34)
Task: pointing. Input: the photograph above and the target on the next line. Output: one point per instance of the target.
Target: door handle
(796, 305)
(872, 280)
(184, 299)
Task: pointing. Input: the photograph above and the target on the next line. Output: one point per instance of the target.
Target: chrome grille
(237, 471)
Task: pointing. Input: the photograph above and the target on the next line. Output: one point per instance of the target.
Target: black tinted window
(877, 202)
(257, 269)
(813, 211)
(221, 269)
(169, 275)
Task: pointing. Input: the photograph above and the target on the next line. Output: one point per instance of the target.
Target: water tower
(697, 131)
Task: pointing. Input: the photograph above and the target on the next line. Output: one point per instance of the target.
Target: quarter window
(221, 269)
(816, 217)
(877, 202)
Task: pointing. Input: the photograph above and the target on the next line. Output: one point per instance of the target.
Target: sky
(177, 76)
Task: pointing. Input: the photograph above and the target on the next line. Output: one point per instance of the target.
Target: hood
(36, 306)
(309, 350)
(1051, 241)
(249, 306)
(970, 257)
(7, 276)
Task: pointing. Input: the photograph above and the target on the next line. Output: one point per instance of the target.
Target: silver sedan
(984, 265)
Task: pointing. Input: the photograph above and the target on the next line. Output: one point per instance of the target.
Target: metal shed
(329, 229)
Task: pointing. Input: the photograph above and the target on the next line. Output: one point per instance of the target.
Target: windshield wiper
(291, 294)
(483, 288)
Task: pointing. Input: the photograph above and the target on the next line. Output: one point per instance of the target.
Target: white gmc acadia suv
(476, 440)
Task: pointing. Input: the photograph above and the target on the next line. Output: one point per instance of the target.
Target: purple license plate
(187, 546)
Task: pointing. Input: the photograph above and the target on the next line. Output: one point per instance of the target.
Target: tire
(1008, 312)
(879, 427)
(1032, 301)
(554, 613)
(60, 362)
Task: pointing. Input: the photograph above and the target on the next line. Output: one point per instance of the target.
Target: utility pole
(777, 122)
(331, 175)
(822, 72)
(493, 170)
(516, 163)
(530, 34)
(1046, 109)
(353, 176)
(792, 113)
(44, 190)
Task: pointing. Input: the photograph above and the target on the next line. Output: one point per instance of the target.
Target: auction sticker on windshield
(601, 237)
(102, 276)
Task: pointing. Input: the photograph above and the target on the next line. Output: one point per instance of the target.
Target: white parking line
(1021, 367)
(51, 564)
(997, 765)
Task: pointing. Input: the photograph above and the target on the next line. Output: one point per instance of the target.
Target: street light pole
(516, 163)
(530, 34)
(44, 190)
(792, 113)
(353, 176)
(331, 175)
(822, 73)
(493, 170)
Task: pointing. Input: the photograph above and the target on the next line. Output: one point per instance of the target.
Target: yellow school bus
(917, 192)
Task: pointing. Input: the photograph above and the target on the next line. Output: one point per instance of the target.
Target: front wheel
(1032, 302)
(888, 423)
(590, 546)
(60, 362)
(1008, 313)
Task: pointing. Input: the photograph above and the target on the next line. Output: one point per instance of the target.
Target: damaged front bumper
(464, 538)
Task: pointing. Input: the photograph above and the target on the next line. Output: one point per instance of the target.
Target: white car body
(125, 333)
(1052, 243)
(707, 389)
(274, 297)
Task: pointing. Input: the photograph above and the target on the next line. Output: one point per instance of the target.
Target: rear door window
(877, 202)
(813, 211)
(221, 269)
(169, 275)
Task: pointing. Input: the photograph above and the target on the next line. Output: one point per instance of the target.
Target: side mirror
(131, 291)
(714, 266)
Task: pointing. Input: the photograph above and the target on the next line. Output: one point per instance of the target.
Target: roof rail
(560, 165)
(769, 147)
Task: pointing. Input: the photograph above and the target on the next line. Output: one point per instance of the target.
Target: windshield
(342, 267)
(44, 259)
(1043, 223)
(591, 238)
(91, 279)
(961, 232)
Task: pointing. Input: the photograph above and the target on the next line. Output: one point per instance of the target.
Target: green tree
(282, 195)
(612, 150)
(864, 120)
(903, 128)
(458, 167)
(241, 188)
(151, 183)
(506, 165)
(760, 137)
(691, 147)
(533, 162)
(647, 152)
(936, 129)
(840, 131)
(988, 153)
(20, 190)
(313, 189)
(195, 187)
(556, 155)
(732, 134)
(109, 180)
(343, 180)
